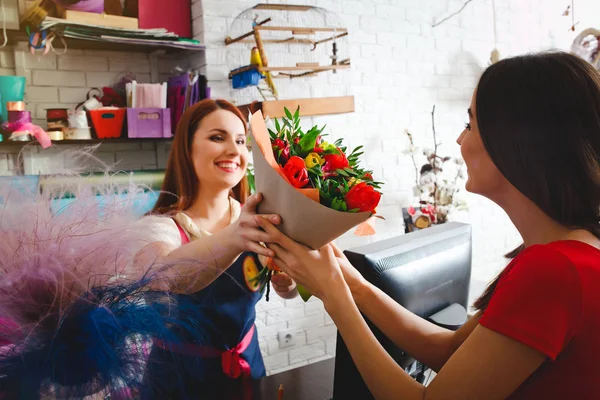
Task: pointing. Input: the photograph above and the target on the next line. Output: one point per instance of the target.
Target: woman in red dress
(532, 145)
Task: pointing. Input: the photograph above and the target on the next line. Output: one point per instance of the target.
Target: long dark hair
(539, 120)
(180, 185)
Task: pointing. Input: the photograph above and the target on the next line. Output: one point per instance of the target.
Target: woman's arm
(427, 342)
(191, 267)
(195, 265)
(486, 366)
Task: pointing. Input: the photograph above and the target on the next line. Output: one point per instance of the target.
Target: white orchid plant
(438, 183)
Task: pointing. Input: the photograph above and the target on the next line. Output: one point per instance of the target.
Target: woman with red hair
(199, 225)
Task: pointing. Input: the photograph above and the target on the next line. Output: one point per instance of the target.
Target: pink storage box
(148, 123)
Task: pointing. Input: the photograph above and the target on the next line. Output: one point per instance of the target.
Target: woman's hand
(352, 277)
(245, 233)
(284, 285)
(317, 270)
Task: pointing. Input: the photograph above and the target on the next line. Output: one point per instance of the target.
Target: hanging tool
(39, 40)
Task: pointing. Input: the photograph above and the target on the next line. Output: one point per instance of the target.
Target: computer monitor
(428, 272)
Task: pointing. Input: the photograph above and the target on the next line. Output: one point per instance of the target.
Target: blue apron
(224, 314)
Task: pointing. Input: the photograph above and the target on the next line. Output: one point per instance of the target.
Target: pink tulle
(48, 259)
(6, 327)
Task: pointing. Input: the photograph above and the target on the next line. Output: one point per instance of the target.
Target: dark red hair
(180, 185)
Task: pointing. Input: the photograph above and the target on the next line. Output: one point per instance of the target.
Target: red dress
(548, 298)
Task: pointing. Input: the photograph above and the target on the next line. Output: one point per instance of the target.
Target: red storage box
(108, 123)
(174, 16)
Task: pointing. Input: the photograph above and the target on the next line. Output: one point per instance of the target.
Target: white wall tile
(72, 95)
(78, 63)
(7, 58)
(46, 94)
(39, 61)
(58, 78)
(307, 352)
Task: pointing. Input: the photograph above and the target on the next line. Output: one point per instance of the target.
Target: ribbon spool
(56, 135)
(15, 106)
(17, 118)
(20, 125)
(57, 114)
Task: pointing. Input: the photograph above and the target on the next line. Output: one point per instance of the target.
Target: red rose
(296, 172)
(362, 197)
(368, 176)
(334, 162)
(296, 140)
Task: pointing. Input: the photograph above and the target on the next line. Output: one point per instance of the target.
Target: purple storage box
(148, 123)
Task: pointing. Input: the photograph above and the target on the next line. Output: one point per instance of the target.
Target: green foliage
(250, 177)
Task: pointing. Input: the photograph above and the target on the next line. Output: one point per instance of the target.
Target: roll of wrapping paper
(19, 123)
(58, 126)
(19, 117)
(15, 106)
(56, 135)
(57, 114)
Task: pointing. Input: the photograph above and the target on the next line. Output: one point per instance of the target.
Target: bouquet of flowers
(310, 183)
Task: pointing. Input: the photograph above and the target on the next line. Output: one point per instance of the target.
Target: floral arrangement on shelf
(344, 193)
(437, 183)
(308, 161)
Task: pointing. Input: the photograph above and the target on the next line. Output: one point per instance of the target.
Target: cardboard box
(113, 21)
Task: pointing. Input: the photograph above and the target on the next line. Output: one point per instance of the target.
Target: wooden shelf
(13, 143)
(282, 7)
(298, 29)
(304, 68)
(104, 44)
(280, 41)
(308, 106)
(309, 68)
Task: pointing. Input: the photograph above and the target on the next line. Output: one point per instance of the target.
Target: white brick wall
(401, 66)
